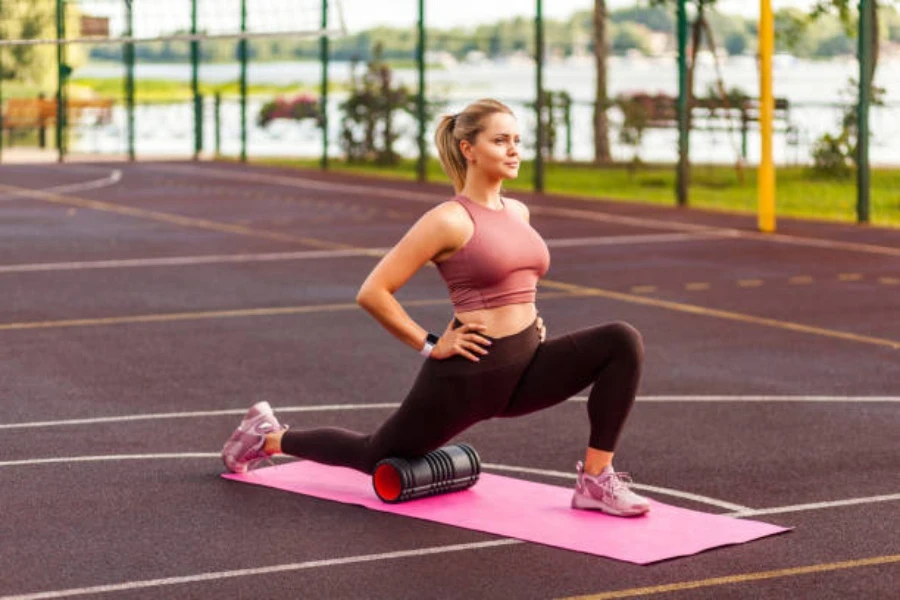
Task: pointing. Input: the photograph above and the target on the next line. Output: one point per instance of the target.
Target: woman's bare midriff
(502, 320)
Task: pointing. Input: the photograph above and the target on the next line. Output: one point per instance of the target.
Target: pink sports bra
(499, 265)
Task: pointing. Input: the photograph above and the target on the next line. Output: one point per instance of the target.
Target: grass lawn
(799, 193)
(149, 91)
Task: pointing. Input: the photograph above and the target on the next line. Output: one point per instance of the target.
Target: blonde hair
(452, 129)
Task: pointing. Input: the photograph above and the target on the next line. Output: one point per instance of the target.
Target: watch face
(432, 339)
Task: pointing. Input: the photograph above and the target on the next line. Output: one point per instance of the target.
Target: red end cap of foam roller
(387, 483)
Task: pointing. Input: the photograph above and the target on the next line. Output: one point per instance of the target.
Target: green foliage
(829, 36)
(891, 30)
(792, 32)
(557, 114)
(35, 19)
(637, 111)
(368, 128)
(629, 36)
(736, 43)
(833, 155)
(654, 18)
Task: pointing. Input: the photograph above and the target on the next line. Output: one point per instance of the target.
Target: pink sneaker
(244, 449)
(607, 492)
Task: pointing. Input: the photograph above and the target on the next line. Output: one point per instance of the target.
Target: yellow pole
(766, 181)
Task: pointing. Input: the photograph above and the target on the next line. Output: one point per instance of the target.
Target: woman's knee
(626, 341)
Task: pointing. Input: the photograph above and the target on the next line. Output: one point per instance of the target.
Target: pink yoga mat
(535, 512)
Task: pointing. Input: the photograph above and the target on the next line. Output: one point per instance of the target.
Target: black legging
(519, 375)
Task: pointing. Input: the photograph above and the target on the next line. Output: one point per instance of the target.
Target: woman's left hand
(542, 331)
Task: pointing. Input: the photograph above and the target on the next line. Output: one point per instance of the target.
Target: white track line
(578, 214)
(388, 405)
(778, 510)
(178, 261)
(433, 550)
(739, 510)
(813, 399)
(189, 260)
(649, 488)
(64, 460)
(113, 178)
(194, 414)
(218, 575)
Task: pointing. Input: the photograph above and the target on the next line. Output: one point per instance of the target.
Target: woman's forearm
(388, 311)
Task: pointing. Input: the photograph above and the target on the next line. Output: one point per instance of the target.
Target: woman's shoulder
(451, 213)
(447, 218)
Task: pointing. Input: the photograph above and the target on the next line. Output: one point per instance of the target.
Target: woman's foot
(608, 492)
(244, 450)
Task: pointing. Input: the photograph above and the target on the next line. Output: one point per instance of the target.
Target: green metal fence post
(217, 124)
(539, 103)
(682, 174)
(242, 51)
(2, 37)
(866, 8)
(60, 80)
(323, 54)
(129, 79)
(195, 84)
(745, 125)
(422, 166)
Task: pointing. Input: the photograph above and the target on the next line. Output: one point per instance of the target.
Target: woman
(492, 360)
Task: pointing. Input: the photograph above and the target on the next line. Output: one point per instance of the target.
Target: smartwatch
(431, 341)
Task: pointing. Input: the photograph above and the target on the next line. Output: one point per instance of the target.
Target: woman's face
(496, 149)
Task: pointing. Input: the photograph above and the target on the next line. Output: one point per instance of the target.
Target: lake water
(813, 88)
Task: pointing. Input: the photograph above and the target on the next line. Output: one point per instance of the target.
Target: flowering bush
(642, 109)
(303, 106)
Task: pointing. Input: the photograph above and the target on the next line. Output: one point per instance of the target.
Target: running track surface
(146, 306)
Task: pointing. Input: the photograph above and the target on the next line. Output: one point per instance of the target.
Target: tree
(36, 19)
(736, 43)
(630, 36)
(844, 10)
(654, 18)
(831, 150)
(699, 27)
(601, 100)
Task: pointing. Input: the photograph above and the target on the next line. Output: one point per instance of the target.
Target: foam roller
(448, 469)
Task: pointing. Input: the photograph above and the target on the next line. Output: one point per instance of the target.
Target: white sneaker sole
(587, 503)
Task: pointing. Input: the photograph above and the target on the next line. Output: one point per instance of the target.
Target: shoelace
(618, 482)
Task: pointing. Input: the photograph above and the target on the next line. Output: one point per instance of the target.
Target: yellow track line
(169, 218)
(215, 314)
(720, 314)
(169, 317)
(191, 316)
(742, 578)
(240, 230)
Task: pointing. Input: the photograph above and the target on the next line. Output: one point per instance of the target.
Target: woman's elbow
(362, 297)
(366, 297)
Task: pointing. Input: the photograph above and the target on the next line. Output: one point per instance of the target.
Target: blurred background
(336, 84)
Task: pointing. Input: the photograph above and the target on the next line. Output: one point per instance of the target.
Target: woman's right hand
(464, 340)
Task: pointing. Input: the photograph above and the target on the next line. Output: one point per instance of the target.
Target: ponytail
(452, 159)
(452, 129)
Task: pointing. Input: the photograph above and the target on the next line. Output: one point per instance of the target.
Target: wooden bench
(40, 113)
(718, 115)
